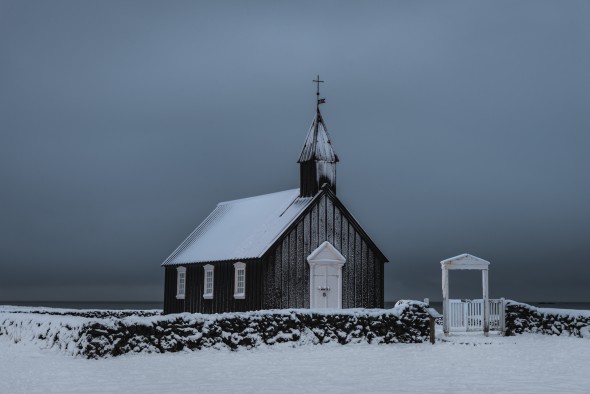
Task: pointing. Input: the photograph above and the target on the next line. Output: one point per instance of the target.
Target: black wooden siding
(286, 271)
(223, 289)
(280, 279)
(308, 179)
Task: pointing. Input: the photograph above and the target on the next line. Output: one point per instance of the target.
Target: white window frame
(239, 267)
(180, 278)
(208, 268)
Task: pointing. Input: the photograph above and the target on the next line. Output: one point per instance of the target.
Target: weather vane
(323, 100)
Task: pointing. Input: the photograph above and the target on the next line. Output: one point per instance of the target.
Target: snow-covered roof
(317, 144)
(240, 229)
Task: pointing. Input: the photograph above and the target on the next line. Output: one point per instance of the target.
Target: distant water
(88, 304)
(559, 305)
(160, 305)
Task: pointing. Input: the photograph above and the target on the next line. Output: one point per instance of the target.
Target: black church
(297, 248)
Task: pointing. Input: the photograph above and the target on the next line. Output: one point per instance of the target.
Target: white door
(325, 285)
(325, 277)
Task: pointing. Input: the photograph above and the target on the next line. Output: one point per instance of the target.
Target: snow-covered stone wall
(88, 313)
(521, 318)
(112, 336)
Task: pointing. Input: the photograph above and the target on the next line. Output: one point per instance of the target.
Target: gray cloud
(461, 127)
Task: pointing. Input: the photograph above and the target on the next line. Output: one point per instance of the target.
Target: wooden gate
(467, 315)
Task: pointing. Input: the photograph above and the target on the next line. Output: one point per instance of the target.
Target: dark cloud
(461, 127)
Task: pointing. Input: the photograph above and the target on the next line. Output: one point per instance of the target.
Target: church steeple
(317, 162)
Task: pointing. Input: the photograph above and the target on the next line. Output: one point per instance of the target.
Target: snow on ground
(466, 363)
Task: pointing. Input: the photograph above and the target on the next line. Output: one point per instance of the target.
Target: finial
(320, 101)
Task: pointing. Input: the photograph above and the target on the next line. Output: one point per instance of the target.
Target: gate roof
(465, 261)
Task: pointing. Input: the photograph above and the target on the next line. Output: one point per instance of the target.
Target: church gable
(285, 265)
(330, 218)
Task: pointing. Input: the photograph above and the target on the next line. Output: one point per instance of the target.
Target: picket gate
(467, 315)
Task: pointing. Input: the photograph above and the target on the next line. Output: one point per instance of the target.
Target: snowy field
(527, 363)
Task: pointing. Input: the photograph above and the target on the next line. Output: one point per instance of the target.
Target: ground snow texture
(466, 363)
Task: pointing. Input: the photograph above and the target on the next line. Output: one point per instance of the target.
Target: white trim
(208, 294)
(239, 267)
(180, 280)
(465, 261)
(333, 258)
(336, 255)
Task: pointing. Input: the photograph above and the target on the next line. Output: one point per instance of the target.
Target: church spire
(317, 162)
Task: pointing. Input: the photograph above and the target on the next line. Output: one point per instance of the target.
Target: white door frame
(326, 255)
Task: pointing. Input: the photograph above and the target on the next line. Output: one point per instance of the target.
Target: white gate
(497, 315)
(467, 315)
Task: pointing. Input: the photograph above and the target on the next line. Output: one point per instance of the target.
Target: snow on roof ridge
(238, 200)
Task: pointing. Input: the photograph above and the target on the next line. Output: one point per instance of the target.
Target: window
(240, 280)
(208, 285)
(180, 282)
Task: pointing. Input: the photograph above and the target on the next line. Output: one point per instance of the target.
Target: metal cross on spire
(320, 101)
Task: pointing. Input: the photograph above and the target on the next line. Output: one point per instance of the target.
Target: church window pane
(180, 282)
(240, 280)
(208, 285)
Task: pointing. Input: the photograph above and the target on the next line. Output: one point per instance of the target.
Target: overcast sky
(461, 126)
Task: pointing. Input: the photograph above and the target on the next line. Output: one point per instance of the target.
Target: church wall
(171, 304)
(223, 289)
(286, 271)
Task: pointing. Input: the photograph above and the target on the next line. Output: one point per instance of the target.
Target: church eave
(174, 264)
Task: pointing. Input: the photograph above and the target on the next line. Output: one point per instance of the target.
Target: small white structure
(465, 262)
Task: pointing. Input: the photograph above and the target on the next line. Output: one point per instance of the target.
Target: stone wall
(93, 337)
(523, 318)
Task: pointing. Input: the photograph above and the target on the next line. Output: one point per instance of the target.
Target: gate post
(445, 291)
(502, 315)
(486, 302)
